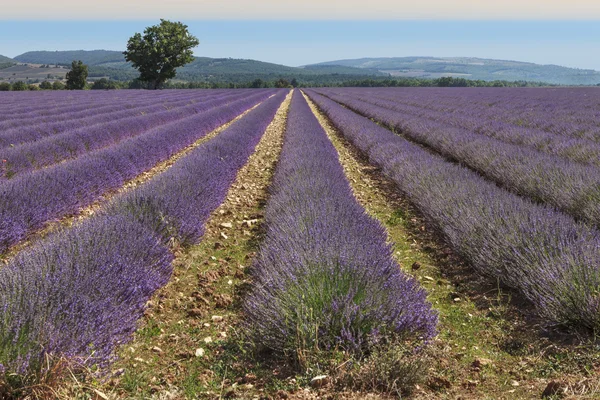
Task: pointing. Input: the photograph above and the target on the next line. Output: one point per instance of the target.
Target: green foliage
(58, 85)
(105, 84)
(46, 85)
(440, 82)
(20, 86)
(77, 76)
(282, 83)
(4, 86)
(138, 84)
(161, 50)
(257, 83)
(33, 87)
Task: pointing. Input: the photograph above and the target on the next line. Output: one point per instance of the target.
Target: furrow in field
(93, 208)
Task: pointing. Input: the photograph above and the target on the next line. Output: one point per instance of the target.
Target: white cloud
(305, 9)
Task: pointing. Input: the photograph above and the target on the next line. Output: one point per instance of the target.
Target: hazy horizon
(300, 33)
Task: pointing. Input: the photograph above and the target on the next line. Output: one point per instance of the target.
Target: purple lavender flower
(78, 293)
(324, 277)
(546, 255)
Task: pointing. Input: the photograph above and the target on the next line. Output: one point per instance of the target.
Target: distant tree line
(20, 86)
(439, 82)
(100, 84)
(109, 84)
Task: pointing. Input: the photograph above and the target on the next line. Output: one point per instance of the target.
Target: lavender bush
(95, 112)
(48, 149)
(78, 294)
(168, 203)
(478, 112)
(31, 199)
(324, 277)
(572, 187)
(566, 112)
(546, 255)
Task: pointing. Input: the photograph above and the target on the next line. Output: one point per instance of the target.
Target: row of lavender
(18, 132)
(43, 147)
(28, 201)
(572, 187)
(101, 106)
(24, 105)
(324, 277)
(569, 112)
(546, 255)
(490, 123)
(78, 294)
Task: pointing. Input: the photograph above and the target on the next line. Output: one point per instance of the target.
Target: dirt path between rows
(489, 345)
(176, 351)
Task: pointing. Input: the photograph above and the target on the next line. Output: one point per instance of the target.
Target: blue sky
(298, 42)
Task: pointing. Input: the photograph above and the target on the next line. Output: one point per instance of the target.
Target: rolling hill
(112, 64)
(93, 57)
(6, 62)
(4, 59)
(472, 68)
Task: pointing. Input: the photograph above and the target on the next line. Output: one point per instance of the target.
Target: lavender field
(251, 242)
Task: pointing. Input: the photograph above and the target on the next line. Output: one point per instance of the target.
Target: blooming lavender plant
(547, 256)
(48, 149)
(572, 187)
(27, 108)
(324, 277)
(168, 203)
(96, 112)
(500, 117)
(566, 112)
(31, 199)
(79, 293)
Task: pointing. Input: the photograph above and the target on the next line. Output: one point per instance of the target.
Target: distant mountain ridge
(472, 68)
(111, 63)
(92, 57)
